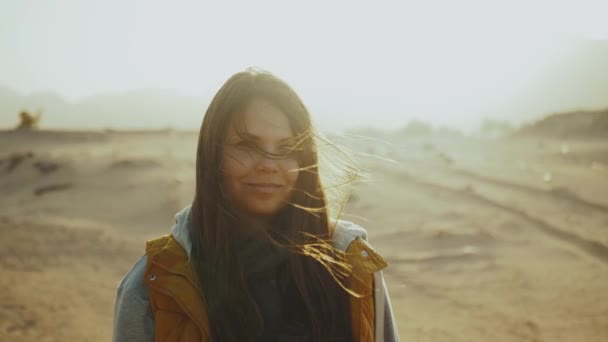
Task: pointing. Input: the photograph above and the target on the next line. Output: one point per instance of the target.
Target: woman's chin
(263, 212)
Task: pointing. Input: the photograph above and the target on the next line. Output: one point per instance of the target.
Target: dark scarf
(271, 286)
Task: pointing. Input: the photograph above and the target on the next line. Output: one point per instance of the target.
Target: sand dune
(502, 240)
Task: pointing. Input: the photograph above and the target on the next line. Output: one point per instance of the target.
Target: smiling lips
(266, 188)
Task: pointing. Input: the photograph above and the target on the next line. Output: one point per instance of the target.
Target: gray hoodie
(133, 318)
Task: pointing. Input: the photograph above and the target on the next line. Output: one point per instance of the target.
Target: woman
(255, 257)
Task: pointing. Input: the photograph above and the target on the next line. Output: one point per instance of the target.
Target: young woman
(256, 257)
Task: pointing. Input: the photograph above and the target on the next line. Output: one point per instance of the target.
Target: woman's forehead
(261, 120)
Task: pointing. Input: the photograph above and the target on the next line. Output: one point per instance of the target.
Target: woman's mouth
(266, 188)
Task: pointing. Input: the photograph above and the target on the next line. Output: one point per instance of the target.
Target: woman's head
(256, 157)
(255, 137)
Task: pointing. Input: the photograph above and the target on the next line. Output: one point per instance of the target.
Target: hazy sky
(373, 62)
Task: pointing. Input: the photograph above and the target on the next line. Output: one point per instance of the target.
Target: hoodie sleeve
(386, 326)
(133, 318)
(391, 333)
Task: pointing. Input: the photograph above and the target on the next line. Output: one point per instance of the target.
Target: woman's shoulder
(352, 238)
(345, 232)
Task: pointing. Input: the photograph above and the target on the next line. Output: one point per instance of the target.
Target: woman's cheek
(235, 166)
(292, 167)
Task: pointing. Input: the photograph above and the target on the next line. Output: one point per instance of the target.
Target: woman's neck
(257, 223)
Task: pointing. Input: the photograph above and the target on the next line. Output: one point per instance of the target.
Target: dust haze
(482, 129)
(500, 235)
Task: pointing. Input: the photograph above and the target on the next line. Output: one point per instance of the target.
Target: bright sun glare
(441, 61)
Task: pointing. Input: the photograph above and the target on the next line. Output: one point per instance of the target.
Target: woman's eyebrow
(257, 138)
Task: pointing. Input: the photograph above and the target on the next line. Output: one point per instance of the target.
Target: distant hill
(141, 109)
(579, 80)
(578, 124)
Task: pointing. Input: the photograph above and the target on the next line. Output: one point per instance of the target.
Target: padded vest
(179, 309)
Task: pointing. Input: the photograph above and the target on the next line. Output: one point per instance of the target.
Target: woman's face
(259, 183)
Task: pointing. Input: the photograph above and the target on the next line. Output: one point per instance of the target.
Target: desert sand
(487, 239)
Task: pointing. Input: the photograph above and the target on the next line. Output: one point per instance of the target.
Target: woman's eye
(244, 144)
(282, 151)
(287, 150)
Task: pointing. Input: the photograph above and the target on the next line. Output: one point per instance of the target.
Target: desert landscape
(488, 239)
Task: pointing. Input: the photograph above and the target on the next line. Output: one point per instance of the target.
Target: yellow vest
(179, 309)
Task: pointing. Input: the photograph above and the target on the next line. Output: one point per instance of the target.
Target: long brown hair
(304, 222)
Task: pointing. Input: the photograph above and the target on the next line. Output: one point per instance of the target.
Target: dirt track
(486, 240)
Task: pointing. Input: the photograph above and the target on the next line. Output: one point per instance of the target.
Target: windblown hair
(316, 267)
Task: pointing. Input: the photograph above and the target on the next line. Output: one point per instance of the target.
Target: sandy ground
(487, 240)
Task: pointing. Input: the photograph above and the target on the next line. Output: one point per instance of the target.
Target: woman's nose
(266, 163)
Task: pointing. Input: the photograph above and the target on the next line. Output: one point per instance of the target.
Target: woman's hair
(315, 267)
